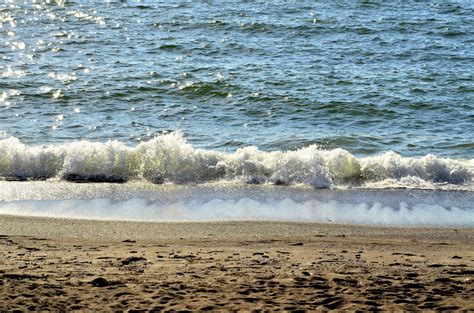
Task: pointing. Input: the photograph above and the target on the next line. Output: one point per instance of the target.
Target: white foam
(236, 201)
(245, 209)
(169, 158)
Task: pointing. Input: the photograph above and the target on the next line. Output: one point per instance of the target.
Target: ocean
(341, 111)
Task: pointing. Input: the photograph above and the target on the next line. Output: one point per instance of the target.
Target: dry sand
(58, 264)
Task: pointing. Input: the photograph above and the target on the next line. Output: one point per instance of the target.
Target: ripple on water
(366, 76)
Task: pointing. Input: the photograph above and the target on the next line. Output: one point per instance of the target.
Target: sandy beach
(65, 264)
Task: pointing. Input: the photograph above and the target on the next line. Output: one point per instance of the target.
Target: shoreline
(58, 227)
(65, 264)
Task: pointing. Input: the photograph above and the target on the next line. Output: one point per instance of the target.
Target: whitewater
(170, 159)
(166, 179)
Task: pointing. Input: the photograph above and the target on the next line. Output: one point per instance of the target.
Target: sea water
(285, 97)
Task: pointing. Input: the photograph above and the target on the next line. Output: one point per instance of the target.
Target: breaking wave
(169, 158)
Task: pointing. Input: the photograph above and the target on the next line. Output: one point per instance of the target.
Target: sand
(59, 264)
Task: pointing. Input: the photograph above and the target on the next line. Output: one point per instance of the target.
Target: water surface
(366, 76)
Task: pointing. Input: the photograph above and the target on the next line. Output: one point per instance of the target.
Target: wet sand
(61, 264)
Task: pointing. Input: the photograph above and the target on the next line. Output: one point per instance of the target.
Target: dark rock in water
(99, 178)
(253, 181)
(280, 182)
(16, 178)
(321, 186)
(23, 178)
(132, 259)
(100, 282)
(157, 180)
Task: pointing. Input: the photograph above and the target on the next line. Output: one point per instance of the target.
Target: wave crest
(169, 158)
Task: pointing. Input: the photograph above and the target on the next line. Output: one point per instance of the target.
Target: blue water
(331, 94)
(366, 76)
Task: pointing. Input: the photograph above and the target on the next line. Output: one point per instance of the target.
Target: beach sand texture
(58, 264)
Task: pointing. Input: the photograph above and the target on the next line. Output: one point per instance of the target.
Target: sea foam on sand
(148, 202)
